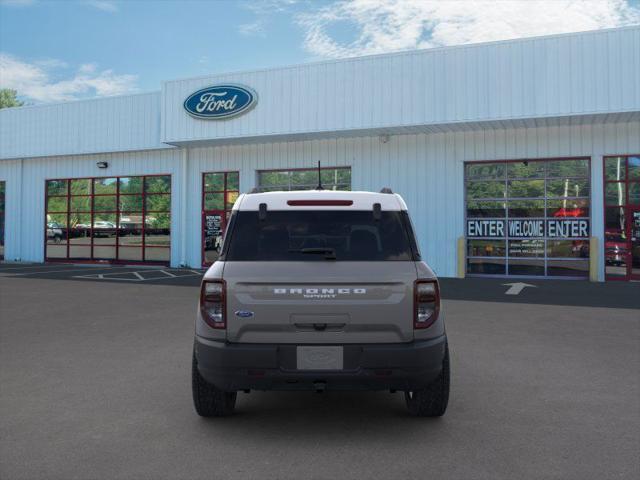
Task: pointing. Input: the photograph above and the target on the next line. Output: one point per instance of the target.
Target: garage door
(114, 219)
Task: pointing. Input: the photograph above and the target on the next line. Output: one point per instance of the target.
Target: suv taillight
(426, 303)
(213, 303)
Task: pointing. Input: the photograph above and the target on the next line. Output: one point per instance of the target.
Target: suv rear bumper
(239, 366)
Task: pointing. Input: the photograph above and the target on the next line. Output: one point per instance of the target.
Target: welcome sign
(525, 228)
(219, 102)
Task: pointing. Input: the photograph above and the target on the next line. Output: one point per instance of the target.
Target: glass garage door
(115, 219)
(528, 218)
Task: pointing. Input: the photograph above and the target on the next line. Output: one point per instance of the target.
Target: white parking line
(26, 267)
(16, 274)
(139, 276)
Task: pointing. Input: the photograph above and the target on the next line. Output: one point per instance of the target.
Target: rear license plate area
(319, 358)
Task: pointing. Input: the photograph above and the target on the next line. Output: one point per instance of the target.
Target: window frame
(224, 212)
(627, 207)
(506, 199)
(91, 213)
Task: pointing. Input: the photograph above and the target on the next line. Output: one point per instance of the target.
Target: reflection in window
(485, 209)
(57, 187)
(105, 203)
(614, 193)
(568, 188)
(526, 267)
(521, 195)
(574, 207)
(157, 184)
(526, 208)
(485, 171)
(338, 178)
(525, 188)
(81, 187)
(105, 186)
(486, 248)
(615, 226)
(634, 193)
(615, 168)
(568, 268)
(130, 185)
(568, 248)
(568, 168)
(633, 168)
(485, 189)
(80, 204)
(220, 190)
(57, 204)
(489, 266)
(526, 169)
(109, 219)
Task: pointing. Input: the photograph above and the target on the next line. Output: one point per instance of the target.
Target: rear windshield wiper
(329, 253)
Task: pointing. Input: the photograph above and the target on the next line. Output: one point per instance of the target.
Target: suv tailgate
(320, 302)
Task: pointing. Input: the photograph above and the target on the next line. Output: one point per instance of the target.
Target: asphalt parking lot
(95, 383)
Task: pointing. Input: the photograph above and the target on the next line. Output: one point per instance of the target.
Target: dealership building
(516, 158)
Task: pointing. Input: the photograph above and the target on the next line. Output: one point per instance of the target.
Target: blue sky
(63, 50)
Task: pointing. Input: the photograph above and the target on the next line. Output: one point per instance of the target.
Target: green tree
(8, 98)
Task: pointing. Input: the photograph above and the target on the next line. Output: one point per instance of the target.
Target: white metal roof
(588, 77)
(279, 200)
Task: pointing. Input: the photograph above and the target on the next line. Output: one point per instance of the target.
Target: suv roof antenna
(319, 187)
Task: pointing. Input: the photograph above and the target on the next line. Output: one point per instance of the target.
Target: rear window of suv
(313, 235)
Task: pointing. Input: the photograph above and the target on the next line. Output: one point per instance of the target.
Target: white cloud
(252, 29)
(104, 5)
(51, 63)
(389, 25)
(36, 81)
(269, 6)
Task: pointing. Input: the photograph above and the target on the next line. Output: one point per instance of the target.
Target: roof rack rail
(386, 190)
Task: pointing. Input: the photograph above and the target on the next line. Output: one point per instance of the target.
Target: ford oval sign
(220, 101)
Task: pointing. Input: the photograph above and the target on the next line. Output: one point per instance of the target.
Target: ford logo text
(220, 101)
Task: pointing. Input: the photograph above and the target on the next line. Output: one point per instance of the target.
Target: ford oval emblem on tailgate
(244, 314)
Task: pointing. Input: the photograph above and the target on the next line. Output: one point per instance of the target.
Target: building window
(333, 178)
(2, 211)
(528, 218)
(622, 217)
(117, 219)
(219, 192)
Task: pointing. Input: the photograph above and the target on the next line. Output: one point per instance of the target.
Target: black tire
(208, 400)
(431, 401)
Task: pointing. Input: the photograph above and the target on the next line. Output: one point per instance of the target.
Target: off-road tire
(431, 401)
(208, 400)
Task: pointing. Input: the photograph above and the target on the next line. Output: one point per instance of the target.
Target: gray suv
(320, 290)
